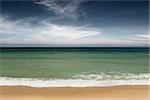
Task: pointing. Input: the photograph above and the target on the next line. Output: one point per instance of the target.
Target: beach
(74, 74)
(75, 93)
(74, 50)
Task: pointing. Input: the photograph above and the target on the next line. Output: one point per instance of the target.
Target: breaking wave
(80, 80)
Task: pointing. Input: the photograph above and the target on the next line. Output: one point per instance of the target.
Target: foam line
(34, 82)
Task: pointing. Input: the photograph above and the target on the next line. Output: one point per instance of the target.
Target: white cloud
(66, 8)
(140, 37)
(23, 32)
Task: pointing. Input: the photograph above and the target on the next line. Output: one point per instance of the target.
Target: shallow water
(67, 62)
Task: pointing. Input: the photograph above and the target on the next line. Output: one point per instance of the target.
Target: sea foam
(79, 80)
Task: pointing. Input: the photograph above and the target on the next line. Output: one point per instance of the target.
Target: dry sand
(89, 93)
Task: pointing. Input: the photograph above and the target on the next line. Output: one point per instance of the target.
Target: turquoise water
(57, 63)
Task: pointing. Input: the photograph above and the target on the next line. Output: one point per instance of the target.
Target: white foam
(34, 82)
(113, 76)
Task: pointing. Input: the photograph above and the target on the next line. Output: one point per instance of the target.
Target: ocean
(74, 66)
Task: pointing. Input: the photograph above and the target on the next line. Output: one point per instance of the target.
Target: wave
(112, 76)
(80, 80)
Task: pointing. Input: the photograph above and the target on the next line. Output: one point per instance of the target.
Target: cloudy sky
(74, 22)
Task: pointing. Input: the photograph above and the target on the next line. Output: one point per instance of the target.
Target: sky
(100, 23)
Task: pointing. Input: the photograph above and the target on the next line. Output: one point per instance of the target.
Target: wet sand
(68, 93)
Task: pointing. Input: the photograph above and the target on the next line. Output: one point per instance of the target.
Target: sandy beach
(64, 93)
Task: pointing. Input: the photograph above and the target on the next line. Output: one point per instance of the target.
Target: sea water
(74, 66)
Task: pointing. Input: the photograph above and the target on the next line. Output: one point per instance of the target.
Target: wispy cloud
(66, 8)
(24, 32)
(140, 37)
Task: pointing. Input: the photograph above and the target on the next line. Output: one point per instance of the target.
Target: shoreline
(140, 92)
(92, 80)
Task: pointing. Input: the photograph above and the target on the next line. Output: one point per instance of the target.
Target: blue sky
(75, 22)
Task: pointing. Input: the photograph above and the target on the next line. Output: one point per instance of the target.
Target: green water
(67, 63)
